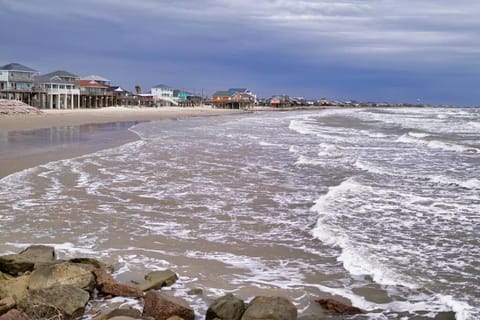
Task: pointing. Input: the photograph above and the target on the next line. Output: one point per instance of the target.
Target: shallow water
(378, 206)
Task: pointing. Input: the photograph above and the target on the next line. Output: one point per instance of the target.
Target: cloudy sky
(382, 50)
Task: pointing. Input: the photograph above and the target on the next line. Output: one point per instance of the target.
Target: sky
(425, 51)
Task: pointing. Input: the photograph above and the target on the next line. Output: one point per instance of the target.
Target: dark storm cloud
(378, 49)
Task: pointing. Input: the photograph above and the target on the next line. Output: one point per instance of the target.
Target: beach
(374, 206)
(76, 117)
(72, 133)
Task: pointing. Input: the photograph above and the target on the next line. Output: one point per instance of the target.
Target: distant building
(279, 101)
(17, 82)
(234, 98)
(94, 94)
(163, 95)
(57, 90)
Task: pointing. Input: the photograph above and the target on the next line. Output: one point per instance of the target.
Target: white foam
(419, 134)
(356, 260)
(436, 144)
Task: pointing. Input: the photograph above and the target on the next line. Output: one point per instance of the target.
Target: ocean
(379, 206)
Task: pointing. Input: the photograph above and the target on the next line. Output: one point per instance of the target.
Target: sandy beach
(63, 134)
(76, 117)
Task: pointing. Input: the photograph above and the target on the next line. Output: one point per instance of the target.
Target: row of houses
(65, 90)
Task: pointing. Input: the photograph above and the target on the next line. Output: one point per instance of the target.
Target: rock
(13, 107)
(14, 314)
(227, 307)
(7, 304)
(94, 262)
(175, 318)
(336, 307)
(132, 313)
(270, 308)
(17, 288)
(62, 274)
(158, 279)
(109, 286)
(162, 307)
(4, 276)
(195, 292)
(25, 261)
(60, 301)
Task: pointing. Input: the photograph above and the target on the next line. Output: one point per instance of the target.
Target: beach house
(56, 90)
(234, 98)
(94, 92)
(163, 95)
(17, 82)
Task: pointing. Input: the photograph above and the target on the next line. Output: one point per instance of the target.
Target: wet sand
(30, 140)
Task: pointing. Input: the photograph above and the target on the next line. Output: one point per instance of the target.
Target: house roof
(222, 94)
(162, 86)
(95, 78)
(91, 84)
(237, 90)
(56, 77)
(17, 67)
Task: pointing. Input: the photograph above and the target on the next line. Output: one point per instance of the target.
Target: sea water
(379, 206)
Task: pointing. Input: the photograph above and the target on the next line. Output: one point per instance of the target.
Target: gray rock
(93, 262)
(195, 292)
(15, 288)
(227, 307)
(62, 274)
(270, 308)
(162, 307)
(132, 313)
(25, 261)
(60, 301)
(158, 279)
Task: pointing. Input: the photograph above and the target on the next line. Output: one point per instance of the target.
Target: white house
(163, 95)
(16, 82)
(60, 90)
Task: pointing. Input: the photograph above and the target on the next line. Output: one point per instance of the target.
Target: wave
(356, 260)
(415, 138)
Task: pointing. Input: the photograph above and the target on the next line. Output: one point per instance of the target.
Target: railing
(63, 91)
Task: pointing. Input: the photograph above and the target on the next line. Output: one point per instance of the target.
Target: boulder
(17, 288)
(109, 286)
(195, 292)
(158, 279)
(25, 261)
(4, 276)
(61, 301)
(132, 313)
(335, 307)
(270, 308)
(62, 274)
(227, 307)
(162, 307)
(14, 314)
(6, 304)
(93, 262)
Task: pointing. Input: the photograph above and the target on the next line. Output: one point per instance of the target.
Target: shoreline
(27, 141)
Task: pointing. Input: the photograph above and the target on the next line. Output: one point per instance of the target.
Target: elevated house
(187, 99)
(17, 82)
(234, 98)
(94, 92)
(56, 90)
(280, 101)
(163, 95)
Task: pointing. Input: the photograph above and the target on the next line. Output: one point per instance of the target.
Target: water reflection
(62, 136)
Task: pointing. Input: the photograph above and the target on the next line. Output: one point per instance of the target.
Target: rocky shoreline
(35, 285)
(14, 107)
